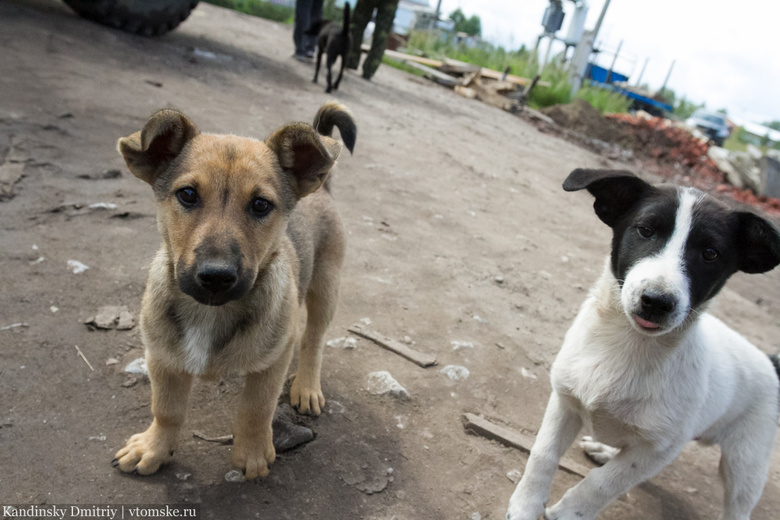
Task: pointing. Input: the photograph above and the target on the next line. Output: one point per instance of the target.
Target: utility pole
(667, 77)
(436, 15)
(583, 51)
(639, 80)
(601, 19)
(612, 67)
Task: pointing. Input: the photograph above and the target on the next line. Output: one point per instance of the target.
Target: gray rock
(288, 434)
(112, 317)
(234, 476)
(514, 475)
(137, 366)
(381, 383)
(455, 372)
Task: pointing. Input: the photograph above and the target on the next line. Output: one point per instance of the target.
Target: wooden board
(515, 439)
(440, 77)
(423, 360)
(400, 56)
(486, 73)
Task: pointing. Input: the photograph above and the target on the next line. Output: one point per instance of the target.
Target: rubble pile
(671, 144)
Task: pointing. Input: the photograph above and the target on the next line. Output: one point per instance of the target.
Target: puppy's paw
(598, 452)
(253, 455)
(522, 511)
(565, 515)
(145, 452)
(306, 397)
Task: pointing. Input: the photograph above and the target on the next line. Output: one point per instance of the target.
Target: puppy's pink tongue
(644, 323)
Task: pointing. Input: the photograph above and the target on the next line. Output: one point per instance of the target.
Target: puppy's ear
(616, 191)
(305, 155)
(150, 151)
(759, 244)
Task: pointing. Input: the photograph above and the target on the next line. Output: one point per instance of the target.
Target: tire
(144, 17)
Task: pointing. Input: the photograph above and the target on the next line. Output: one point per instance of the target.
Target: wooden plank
(466, 92)
(419, 358)
(400, 56)
(486, 73)
(517, 80)
(515, 439)
(458, 67)
(444, 79)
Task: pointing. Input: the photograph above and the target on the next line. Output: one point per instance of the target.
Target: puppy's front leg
(146, 452)
(560, 427)
(630, 467)
(253, 437)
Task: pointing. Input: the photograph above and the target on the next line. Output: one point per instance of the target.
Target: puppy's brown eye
(710, 254)
(645, 231)
(188, 197)
(260, 207)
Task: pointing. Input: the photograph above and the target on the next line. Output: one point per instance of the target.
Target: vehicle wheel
(145, 17)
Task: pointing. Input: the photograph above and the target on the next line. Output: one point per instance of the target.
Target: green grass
(277, 13)
(401, 66)
(603, 100)
(736, 141)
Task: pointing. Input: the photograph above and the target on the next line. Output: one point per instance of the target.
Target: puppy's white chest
(197, 344)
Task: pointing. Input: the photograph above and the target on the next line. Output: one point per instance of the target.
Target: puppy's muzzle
(216, 278)
(656, 309)
(214, 281)
(657, 304)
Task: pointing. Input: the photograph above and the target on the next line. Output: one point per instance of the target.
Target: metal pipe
(612, 67)
(663, 87)
(639, 80)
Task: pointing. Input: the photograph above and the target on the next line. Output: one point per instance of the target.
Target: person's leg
(302, 22)
(315, 13)
(384, 26)
(360, 18)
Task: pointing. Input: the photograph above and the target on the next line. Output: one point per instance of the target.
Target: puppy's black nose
(217, 277)
(656, 303)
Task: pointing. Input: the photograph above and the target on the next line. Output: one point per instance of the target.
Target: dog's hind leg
(146, 452)
(598, 452)
(329, 65)
(321, 298)
(317, 65)
(253, 438)
(341, 70)
(744, 464)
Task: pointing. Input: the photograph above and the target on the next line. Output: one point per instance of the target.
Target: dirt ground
(442, 196)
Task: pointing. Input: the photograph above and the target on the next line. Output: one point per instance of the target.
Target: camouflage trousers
(385, 14)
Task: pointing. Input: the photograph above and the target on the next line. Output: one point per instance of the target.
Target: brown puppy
(250, 233)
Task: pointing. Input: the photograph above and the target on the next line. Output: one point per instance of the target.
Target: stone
(455, 372)
(137, 366)
(514, 475)
(382, 383)
(288, 434)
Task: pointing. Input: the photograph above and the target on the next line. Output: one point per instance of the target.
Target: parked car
(712, 124)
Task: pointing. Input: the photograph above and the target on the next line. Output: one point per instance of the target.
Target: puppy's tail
(345, 27)
(335, 114)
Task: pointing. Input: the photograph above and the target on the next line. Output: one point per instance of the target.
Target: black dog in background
(335, 41)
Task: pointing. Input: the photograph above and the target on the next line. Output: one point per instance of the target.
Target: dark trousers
(306, 12)
(385, 14)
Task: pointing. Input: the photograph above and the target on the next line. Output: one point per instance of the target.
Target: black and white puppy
(645, 367)
(334, 41)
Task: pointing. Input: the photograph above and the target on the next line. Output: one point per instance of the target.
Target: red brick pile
(675, 148)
